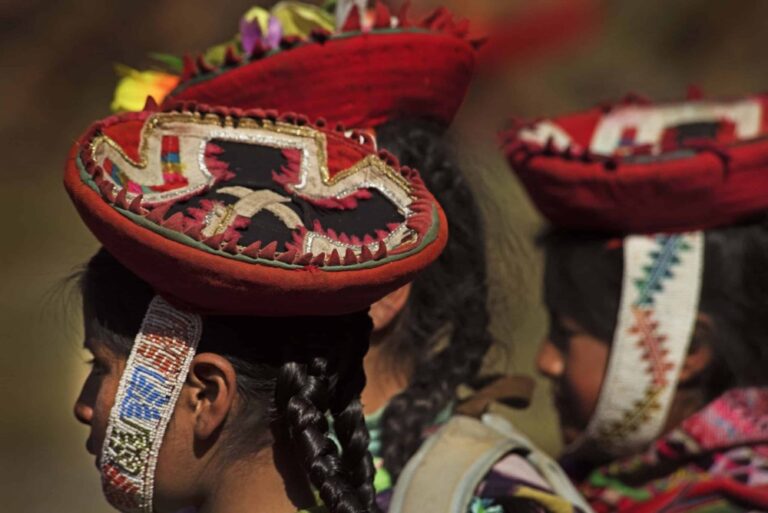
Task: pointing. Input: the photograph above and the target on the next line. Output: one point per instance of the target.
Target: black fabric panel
(697, 130)
(253, 167)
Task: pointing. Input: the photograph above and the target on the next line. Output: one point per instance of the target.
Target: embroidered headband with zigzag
(654, 174)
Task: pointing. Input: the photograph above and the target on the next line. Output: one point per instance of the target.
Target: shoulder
(485, 465)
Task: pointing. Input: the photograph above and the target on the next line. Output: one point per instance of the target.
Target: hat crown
(639, 167)
(264, 203)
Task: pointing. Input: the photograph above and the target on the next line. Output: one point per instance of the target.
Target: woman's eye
(559, 336)
(96, 366)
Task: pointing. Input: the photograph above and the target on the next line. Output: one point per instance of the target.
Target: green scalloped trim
(181, 238)
(271, 53)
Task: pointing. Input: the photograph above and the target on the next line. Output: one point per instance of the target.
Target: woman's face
(575, 361)
(176, 468)
(97, 396)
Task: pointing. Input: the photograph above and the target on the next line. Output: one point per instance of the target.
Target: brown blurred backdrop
(57, 75)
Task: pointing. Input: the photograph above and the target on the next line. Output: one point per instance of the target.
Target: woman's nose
(83, 413)
(550, 361)
(83, 409)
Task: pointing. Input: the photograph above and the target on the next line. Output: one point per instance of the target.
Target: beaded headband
(145, 400)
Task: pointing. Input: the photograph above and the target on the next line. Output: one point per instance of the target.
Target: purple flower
(251, 34)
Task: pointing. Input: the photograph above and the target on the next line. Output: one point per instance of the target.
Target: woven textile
(716, 461)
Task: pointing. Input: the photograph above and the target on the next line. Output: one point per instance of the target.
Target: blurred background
(57, 76)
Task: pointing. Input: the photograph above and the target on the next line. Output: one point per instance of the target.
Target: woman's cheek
(103, 407)
(588, 363)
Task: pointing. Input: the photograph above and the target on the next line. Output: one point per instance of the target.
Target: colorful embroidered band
(150, 385)
(659, 304)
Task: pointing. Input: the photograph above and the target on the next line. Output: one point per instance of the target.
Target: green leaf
(173, 63)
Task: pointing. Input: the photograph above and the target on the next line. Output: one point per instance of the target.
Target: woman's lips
(570, 429)
(89, 447)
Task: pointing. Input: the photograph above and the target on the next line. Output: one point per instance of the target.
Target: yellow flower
(296, 18)
(134, 86)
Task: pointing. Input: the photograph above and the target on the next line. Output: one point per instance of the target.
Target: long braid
(356, 461)
(301, 397)
(457, 280)
(351, 431)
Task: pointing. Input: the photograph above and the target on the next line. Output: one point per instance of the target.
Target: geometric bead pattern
(149, 387)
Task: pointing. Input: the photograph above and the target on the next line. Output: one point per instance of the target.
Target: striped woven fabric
(715, 462)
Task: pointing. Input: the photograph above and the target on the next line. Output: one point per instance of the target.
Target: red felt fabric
(207, 283)
(126, 129)
(678, 195)
(704, 190)
(359, 81)
(128, 132)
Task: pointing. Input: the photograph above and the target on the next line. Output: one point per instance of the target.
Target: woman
(227, 313)
(649, 349)
(430, 336)
(246, 417)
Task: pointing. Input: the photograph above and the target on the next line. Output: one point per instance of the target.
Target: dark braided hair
(286, 389)
(350, 428)
(443, 332)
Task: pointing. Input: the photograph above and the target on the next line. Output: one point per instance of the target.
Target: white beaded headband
(149, 388)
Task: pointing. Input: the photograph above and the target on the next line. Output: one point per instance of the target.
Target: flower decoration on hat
(135, 86)
(368, 58)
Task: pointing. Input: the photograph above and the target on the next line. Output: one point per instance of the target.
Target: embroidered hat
(382, 66)
(225, 211)
(639, 167)
(656, 174)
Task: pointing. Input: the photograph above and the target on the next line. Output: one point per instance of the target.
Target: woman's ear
(700, 352)
(212, 386)
(384, 311)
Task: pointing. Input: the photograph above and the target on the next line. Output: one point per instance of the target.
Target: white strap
(444, 474)
(659, 304)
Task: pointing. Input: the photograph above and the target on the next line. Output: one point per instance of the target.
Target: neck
(255, 485)
(687, 401)
(383, 380)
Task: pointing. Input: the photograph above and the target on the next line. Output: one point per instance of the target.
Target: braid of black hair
(356, 461)
(301, 399)
(448, 299)
(352, 433)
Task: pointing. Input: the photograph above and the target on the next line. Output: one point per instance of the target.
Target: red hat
(250, 213)
(360, 77)
(639, 167)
